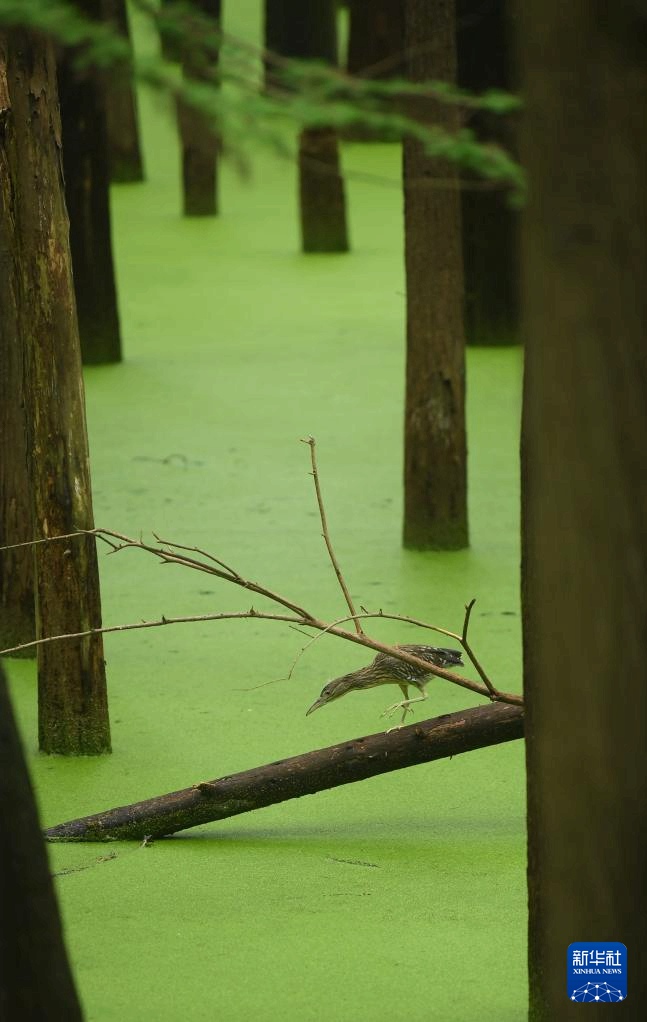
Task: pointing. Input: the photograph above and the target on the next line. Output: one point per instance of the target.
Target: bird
(388, 670)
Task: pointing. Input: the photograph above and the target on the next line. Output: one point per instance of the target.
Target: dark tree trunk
(375, 50)
(17, 623)
(584, 292)
(321, 192)
(87, 180)
(308, 32)
(170, 42)
(35, 977)
(347, 763)
(435, 456)
(490, 227)
(376, 39)
(124, 148)
(73, 714)
(198, 138)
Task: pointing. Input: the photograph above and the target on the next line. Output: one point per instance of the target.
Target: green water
(402, 897)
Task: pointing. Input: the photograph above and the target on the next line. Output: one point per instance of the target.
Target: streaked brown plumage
(388, 670)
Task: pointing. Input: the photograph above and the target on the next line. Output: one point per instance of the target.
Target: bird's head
(333, 690)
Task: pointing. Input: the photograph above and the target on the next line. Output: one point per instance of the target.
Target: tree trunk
(35, 977)
(170, 42)
(346, 763)
(198, 138)
(490, 227)
(376, 39)
(584, 289)
(73, 714)
(122, 121)
(87, 180)
(435, 456)
(308, 32)
(321, 192)
(17, 623)
(375, 51)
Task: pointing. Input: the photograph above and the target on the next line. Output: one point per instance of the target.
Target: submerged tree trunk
(308, 32)
(490, 227)
(35, 977)
(198, 138)
(17, 624)
(87, 180)
(73, 713)
(122, 121)
(435, 454)
(584, 70)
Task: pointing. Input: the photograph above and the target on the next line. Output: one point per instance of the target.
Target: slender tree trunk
(73, 714)
(308, 32)
(490, 227)
(435, 456)
(35, 977)
(584, 70)
(16, 566)
(122, 121)
(199, 141)
(87, 180)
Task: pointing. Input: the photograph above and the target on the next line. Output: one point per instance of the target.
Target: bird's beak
(315, 706)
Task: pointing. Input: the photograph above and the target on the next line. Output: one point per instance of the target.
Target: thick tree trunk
(346, 763)
(122, 121)
(490, 227)
(35, 977)
(17, 622)
(87, 180)
(198, 138)
(584, 70)
(308, 32)
(435, 455)
(73, 715)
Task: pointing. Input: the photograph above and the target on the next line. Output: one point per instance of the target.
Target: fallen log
(306, 774)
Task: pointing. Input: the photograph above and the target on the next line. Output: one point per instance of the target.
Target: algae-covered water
(402, 897)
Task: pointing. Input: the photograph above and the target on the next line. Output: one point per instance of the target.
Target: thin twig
(468, 649)
(311, 442)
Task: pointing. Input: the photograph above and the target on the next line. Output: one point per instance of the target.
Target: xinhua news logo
(596, 972)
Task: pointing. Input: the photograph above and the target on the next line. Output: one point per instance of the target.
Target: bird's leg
(405, 706)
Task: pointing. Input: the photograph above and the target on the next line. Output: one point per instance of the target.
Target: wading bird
(388, 670)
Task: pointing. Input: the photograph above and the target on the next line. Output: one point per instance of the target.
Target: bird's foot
(390, 710)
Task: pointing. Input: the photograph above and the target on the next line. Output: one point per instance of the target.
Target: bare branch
(468, 649)
(311, 442)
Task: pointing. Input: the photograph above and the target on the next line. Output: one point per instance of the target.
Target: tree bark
(308, 32)
(122, 120)
(198, 138)
(584, 486)
(35, 977)
(170, 42)
(435, 454)
(72, 710)
(17, 624)
(87, 181)
(350, 761)
(490, 227)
